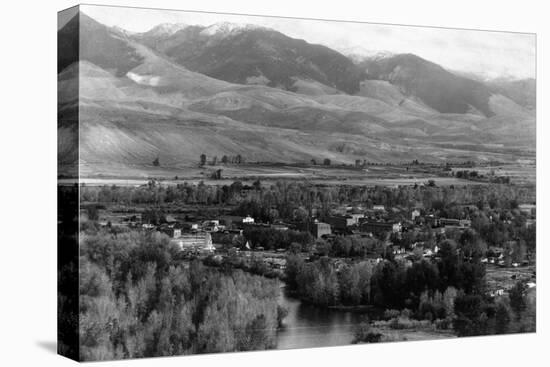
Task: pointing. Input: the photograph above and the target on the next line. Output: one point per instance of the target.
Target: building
(449, 222)
(231, 220)
(195, 242)
(279, 227)
(171, 231)
(341, 222)
(458, 223)
(527, 208)
(432, 220)
(357, 217)
(378, 208)
(248, 220)
(320, 229)
(415, 214)
(380, 227)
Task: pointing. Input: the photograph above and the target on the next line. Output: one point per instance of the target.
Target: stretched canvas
(234, 182)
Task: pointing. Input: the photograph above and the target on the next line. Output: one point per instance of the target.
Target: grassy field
(386, 175)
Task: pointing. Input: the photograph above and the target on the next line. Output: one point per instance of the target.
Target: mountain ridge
(137, 96)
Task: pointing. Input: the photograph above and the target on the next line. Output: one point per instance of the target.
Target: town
(345, 232)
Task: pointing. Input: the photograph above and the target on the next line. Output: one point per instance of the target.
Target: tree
(203, 159)
(470, 316)
(517, 299)
(326, 162)
(217, 174)
(156, 162)
(225, 159)
(502, 318)
(364, 334)
(313, 162)
(93, 212)
(294, 266)
(471, 244)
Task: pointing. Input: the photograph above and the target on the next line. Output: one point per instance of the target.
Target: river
(307, 326)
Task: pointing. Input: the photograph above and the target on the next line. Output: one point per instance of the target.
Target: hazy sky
(492, 54)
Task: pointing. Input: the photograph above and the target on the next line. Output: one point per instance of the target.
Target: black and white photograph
(236, 183)
(231, 183)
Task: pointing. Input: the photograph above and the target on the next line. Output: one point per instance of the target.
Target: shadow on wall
(48, 345)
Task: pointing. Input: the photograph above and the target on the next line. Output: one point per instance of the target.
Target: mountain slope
(106, 47)
(136, 104)
(251, 55)
(435, 86)
(522, 91)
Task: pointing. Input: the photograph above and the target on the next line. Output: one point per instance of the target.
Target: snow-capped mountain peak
(227, 28)
(358, 53)
(167, 28)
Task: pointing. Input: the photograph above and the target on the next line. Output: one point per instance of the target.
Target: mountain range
(179, 90)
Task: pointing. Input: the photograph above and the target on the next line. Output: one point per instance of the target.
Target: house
(320, 229)
(378, 208)
(415, 214)
(248, 220)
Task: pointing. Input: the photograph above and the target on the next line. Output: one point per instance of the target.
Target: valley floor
(268, 173)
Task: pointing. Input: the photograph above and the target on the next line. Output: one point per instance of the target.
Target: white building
(200, 241)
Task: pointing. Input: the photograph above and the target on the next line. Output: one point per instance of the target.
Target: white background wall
(28, 179)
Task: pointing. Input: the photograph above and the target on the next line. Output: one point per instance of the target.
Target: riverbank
(310, 326)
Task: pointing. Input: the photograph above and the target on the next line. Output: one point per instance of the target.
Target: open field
(506, 278)
(367, 181)
(383, 175)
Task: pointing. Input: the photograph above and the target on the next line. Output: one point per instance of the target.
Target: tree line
(450, 291)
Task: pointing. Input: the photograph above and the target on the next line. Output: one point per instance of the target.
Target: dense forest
(138, 300)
